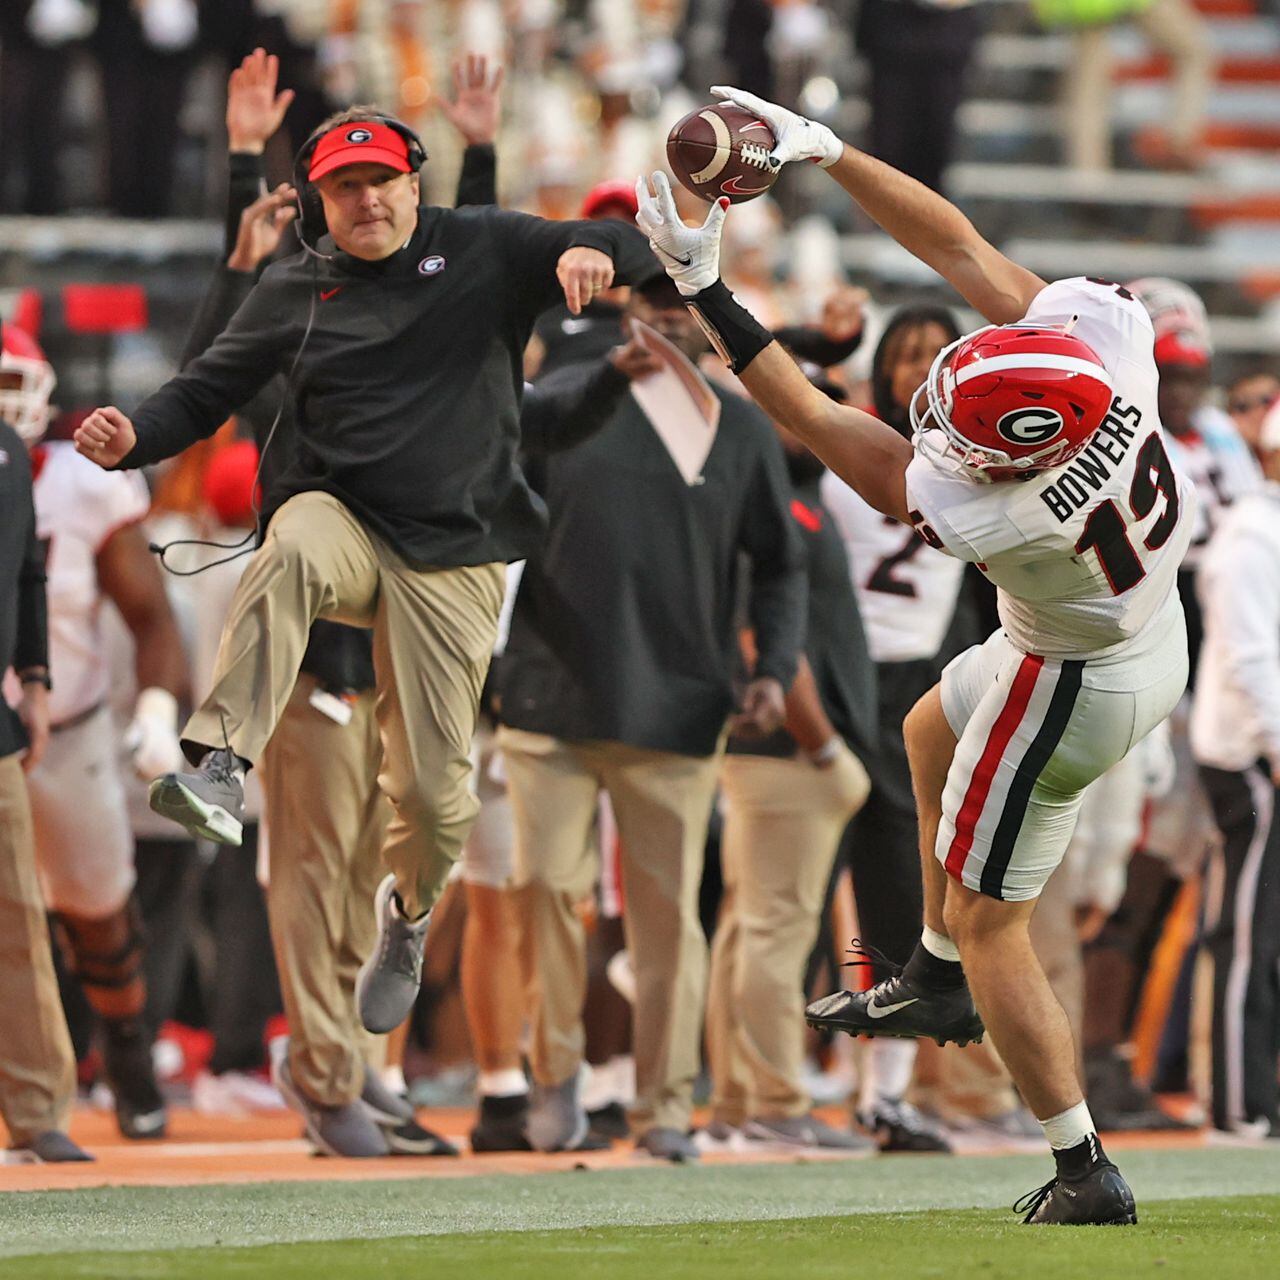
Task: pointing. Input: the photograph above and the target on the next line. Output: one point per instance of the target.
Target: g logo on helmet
(1029, 425)
(359, 135)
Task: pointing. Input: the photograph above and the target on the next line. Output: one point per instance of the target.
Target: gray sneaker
(389, 979)
(209, 802)
(673, 1145)
(804, 1131)
(387, 1107)
(52, 1147)
(347, 1131)
(557, 1119)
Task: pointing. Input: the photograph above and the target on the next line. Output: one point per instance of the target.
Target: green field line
(149, 1218)
(1223, 1238)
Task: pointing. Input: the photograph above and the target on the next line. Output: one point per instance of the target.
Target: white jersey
(906, 590)
(1085, 555)
(1220, 465)
(1235, 716)
(78, 507)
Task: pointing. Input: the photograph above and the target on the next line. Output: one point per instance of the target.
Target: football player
(1038, 455)
(87, 519)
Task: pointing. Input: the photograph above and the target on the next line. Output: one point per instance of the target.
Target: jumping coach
(401, 333)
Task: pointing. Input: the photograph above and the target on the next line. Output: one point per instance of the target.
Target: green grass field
(1213, 1214)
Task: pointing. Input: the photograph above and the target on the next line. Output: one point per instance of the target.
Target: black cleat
(209, 801)
(126, 1062)
(500, 1126)
(900, 1006)
(898, 1126)
(1097, 1196)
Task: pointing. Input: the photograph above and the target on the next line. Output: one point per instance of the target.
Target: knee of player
(972, 918)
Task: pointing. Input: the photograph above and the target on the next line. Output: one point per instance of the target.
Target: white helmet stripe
(1000, 364)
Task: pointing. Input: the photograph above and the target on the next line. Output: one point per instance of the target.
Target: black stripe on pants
(1039, 753)
(1243, 938)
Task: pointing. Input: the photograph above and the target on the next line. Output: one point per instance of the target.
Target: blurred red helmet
(229, 484)
(610, 200)
(1012, 400)
(1181, 349)
(26, 383)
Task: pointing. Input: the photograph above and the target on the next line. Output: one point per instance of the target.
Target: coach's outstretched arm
(922, 221)
(864, 452)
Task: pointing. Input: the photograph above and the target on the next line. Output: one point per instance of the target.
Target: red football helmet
(1012, 400)
(26, 383)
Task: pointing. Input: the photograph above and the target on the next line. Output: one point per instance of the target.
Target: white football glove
(152, 737)
(691, 255)
(796, 137)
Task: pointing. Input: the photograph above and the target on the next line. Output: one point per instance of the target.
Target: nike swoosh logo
(884, 1010)
(325, 295)
(684, 262)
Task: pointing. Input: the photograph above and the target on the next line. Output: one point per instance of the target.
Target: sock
(1074, 1140)
(886, 1071)
(503, 1084)
(931, 970)
(938, 944)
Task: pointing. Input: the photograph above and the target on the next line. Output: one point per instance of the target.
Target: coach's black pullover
(407, 388)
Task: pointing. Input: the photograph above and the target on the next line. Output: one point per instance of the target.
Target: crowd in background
(589, 92)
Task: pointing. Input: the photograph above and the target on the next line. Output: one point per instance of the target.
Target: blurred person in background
(89, 520)
(1248, 400)
(243, 993)
(786, 800)
(617, 676)
(37, 1066)
(146, 51)
(919, 53)
(1176, 30)
(38, 40)
(1235, 734)
(907, 595)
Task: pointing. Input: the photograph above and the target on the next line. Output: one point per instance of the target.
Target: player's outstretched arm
(867, 454)
(923, 222)
(863, 451)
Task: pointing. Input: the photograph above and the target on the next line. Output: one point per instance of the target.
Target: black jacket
(624, 625)
(24, 638)
(408, 384)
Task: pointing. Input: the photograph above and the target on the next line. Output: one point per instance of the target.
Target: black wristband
(736, 334)
(36, 677)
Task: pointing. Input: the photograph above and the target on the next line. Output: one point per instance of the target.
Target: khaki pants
(782, 825)
(662, 802)
(1173, 27)
(433, 636)
(37, 1066)
(327, 820)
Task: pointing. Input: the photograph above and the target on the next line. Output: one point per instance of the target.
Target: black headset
(311, 222)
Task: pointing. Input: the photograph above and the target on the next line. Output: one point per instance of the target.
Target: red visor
(359, 142)
(1182, 350)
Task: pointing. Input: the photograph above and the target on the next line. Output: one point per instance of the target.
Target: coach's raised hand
(583, 272)
(796, 138)
(691, 255)
(105, 437)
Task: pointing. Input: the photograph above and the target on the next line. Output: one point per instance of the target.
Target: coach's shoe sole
(173, 800)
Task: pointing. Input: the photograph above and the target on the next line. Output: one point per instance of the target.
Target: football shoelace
(867, 956)
(1032, 1201)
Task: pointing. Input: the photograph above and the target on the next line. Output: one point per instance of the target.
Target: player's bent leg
(316, 561)
(929, 997)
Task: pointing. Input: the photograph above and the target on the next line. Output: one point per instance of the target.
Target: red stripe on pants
(975, 798)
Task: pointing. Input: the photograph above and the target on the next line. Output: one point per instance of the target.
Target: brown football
(722, 150)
